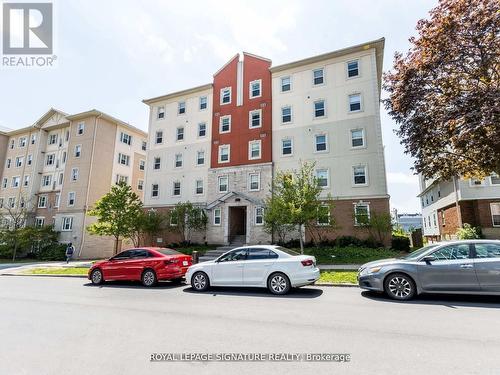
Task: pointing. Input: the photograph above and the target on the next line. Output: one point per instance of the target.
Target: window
(254, 181)
(286, 114)
(254, 150)
(8, 163)
(217, 216)
(74, 174)
(487, 250)
(67, 223)
(353, 69)
(16, 180)
(174, 219)
(259, 216)
(140, 185)
(223, 184)
(176, 188)
(200, 158)
(355, 102)
(225, 124)
(67, 135)
(46, 180)
(255, 118)
(357, 138)
(12, 143)
(123, 159)
(1, 202)
(26, 181)
(120, 178)
(64, 157)
(52, 139)
(157, 162)
(323, 215)
(61, 178)
(225, 95)
(452, 252)
(255, 89)
(361, 213)
(80, 128)
(159, 137)
(29, 159)
(22, 142)
(180, 134)
(71, 198)
(39, 221)
(5, 181)
(286, 84)
(476, 182)
(318, 76)
(181, 108)
(160, 113)
(202, 129)
(144, 145)
(57, 200)
(125, 138)
(322, 177)
(359, 175)
(33, 139)
(320, 142)
(495, 214)
(22, 202)
(319, 108)
(142, 165)
(78, 151)
(261, 253)
(494, 179)
(286, 147)
(224, 151)
(203, 103)
(12, 203)
(42, 201)
(199, 187)
(19, 161)
(155, 191)
(178, 160)
(50, 159)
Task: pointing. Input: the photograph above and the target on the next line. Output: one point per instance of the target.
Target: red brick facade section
(254, 68)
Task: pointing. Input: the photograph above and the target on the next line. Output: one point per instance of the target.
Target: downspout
(457, 206)
(88, 186)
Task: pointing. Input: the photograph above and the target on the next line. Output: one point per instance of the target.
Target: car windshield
(166, 251)
(288, 251)
(417, 253)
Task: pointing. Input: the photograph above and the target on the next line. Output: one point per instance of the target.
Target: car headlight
(374, 269)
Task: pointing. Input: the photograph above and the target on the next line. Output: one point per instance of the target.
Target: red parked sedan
(147, 264)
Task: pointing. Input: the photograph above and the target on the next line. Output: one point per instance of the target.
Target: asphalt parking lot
(67, 326)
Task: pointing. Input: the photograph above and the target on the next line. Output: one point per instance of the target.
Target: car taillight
(170, 261)
(307, 262)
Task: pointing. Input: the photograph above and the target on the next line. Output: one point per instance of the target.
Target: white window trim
(250, 113)
(281, 147)
(367, 204)
(156, 137)
(143, 163)
(361, 106)
(196, 187)
(324, 109)
(329, 217)
(227, 184)
(154, 163)
(219, 216)
(158, 118)
(198, 130)
(250, 143)
(173, 189)
(181, 160)
(45, 201)
(220, 124)
(228, 154)
(177, 134)
(327, 149)
(140, 183)
(367, 181)
(350, 138)
(157, 190)
(491, 213)
(19, 182)
(230, 95)
(82, 125)
(324, 77)
(40, 218)
(179, 108)
(62, 224)
(74, 153)
(199, 103)
(327, 177)
(281, 84)
(491, 181)
(204, 158)
(476, 186)
(77, 174)
(347, 69)
(74, 198)
(255, 216)
(249, 187)
(250, 89)
(291, 115)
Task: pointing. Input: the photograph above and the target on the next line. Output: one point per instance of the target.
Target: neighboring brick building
(257, 119)
(447, 205)
(62, 164)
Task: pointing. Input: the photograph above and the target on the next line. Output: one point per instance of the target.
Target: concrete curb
(342, 285)
(42, 275)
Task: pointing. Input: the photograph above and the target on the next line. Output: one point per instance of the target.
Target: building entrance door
(237, 223)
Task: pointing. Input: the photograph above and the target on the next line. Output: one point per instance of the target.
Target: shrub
(344, 241)
(468, 232)
(401, 243)
(52, 252)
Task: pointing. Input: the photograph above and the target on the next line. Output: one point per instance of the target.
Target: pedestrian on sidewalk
(70, 249)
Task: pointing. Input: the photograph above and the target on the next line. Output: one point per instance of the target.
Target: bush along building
(58, 167)
(219, 145)
(448, 205)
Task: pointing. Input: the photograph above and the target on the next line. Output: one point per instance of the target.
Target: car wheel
(278, 283)
(148, 278)
(96, 277)
(177, 281)
(399, 286)
(200, 281)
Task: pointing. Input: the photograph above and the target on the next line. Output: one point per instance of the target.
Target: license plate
(184, 262)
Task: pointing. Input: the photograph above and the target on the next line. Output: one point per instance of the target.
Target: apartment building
(323, 109)
(62, 164)
(447, 205)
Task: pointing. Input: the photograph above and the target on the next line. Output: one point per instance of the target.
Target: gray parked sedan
(465, 267)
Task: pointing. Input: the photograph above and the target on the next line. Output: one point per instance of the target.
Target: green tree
(444, 93)
(116, 214)
(15, 219)
(149, 224)
(378, 224)
(468, 232)
(297, 195)
(186, 219)
(276, 220)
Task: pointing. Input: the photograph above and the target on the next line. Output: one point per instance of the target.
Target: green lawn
(57, 271)
(338, 277)
(349, 254)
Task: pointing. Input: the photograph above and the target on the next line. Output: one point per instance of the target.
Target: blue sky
(113, 54)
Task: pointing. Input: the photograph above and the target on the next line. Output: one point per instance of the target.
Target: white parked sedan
(274, 267)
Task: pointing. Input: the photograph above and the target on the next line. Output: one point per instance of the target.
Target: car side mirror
(428, 259)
